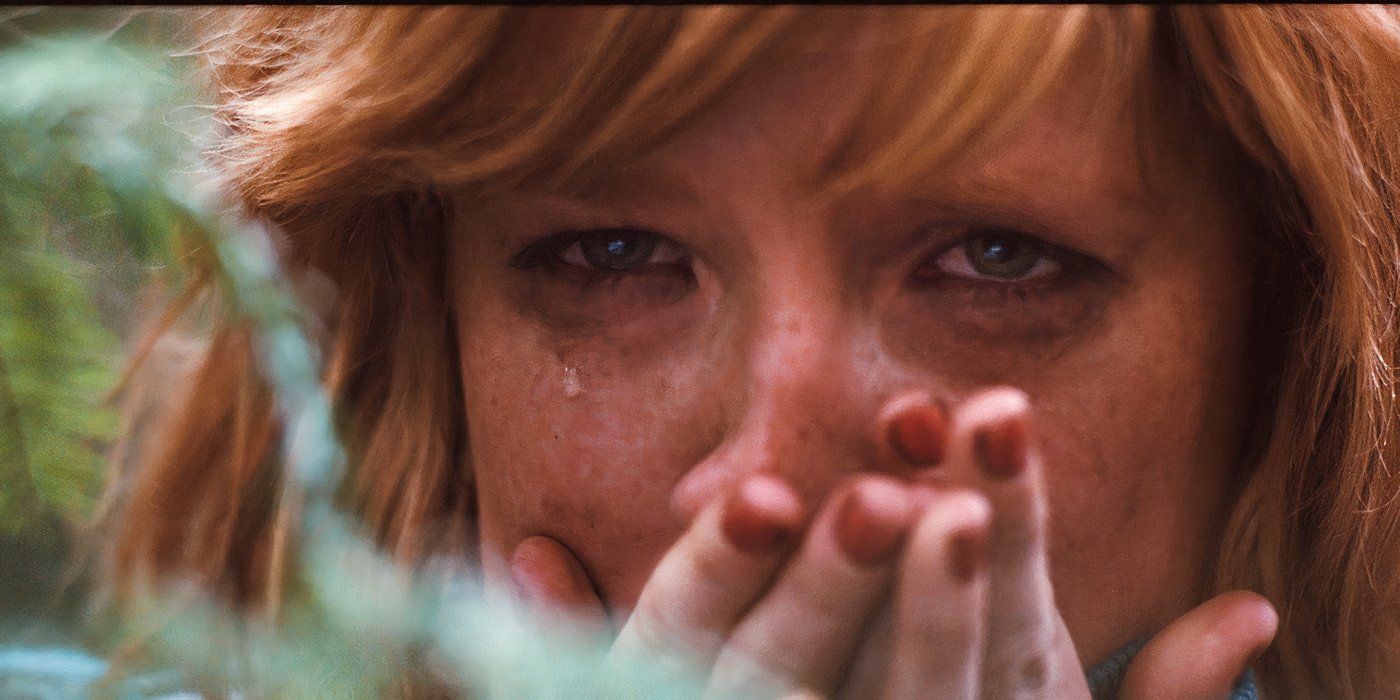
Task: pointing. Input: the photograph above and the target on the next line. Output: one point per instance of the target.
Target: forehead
(788, 123)
(844, 98)
(805, 117)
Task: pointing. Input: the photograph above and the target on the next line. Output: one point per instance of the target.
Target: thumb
(1202, 653)
(552, 582)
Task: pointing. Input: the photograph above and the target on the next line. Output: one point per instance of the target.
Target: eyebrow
(1011, 171)
(1045, 192)
(651, 178)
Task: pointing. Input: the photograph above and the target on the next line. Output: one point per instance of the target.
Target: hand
(1025, 648)
(732, 596)
(973, 610)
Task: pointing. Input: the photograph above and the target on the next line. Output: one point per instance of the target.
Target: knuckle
(1032, 674)
(1022, 667)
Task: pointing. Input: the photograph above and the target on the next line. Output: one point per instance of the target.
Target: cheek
(1140, 431)
(584, 442)
(1132, 453)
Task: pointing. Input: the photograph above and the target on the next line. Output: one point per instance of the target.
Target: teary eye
(1002, 256)
(606, 279)
(1002, 288)
(613, 250)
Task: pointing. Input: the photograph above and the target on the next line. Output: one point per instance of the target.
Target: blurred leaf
(55, 362)
(86, 157)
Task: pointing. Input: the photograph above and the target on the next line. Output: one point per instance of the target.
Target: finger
(1028, 648)
(1202, 653)
(869, 670)
(552, 582)
(869, 673)
(940, 601)
(800, 635)
(707, 579)
(913, 430)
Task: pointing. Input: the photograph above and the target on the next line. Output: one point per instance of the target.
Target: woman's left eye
(614, 250)
(995, 256)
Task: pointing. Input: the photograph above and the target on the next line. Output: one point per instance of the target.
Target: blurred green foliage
(83, 130)
(98, 188)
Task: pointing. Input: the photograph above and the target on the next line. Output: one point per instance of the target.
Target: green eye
(1002, 256)
(994, 255)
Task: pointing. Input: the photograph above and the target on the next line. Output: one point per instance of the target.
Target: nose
(815, 379)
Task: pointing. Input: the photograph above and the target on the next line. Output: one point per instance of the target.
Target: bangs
(485, 99)
(958, 80)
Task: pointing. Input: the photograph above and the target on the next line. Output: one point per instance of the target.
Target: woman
(844, 350)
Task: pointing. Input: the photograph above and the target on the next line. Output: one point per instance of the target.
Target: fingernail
(526, 589)
(752, 528)
(1001, 448)
(967, 554)
(865, 536)
(919, 434)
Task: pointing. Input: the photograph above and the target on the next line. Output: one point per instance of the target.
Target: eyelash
(1053, 262)
(546, 254)
(1062, 263)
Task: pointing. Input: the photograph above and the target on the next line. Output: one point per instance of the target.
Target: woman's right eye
(606, 251)
(585, 280)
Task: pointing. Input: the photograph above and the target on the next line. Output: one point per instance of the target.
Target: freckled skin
(780, 353)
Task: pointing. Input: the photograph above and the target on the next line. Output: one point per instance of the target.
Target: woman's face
(716, 318)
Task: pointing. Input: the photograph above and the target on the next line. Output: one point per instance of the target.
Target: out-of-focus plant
(80, 138)
(90, 171)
